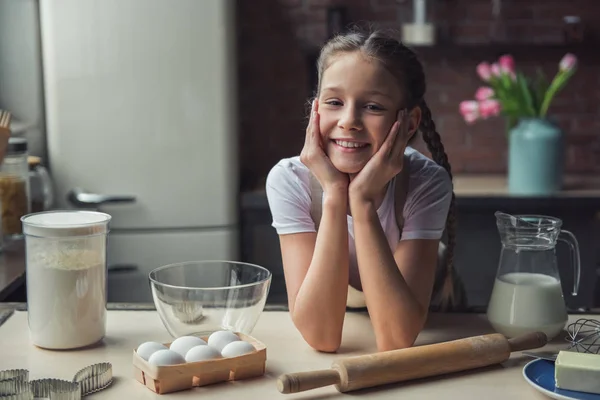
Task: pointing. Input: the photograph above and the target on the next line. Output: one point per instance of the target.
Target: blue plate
(540, 374)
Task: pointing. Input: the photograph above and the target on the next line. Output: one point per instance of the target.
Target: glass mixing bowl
(200, 297)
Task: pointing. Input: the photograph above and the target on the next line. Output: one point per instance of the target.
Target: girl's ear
(414, 121)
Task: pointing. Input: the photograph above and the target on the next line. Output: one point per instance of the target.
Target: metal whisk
(584, 335)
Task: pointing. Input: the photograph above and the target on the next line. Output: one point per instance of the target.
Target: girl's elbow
(394, 344)
(321, 340)
(400, 339)
(324, 345)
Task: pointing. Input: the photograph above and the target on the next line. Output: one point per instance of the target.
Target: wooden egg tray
(173, 378)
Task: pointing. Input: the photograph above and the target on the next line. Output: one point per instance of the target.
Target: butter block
(577, 371)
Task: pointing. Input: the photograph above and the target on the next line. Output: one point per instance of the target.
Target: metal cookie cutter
(15, 384)
(14, 374)
(15, 390)
(94, 378)
(55, 389)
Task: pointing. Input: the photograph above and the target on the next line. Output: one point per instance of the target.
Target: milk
(523, 302)
(66, 299)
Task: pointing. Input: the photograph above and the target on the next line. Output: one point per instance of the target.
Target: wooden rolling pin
(416, 362)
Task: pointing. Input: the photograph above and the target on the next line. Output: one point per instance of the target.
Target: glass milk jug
(527, 294)
(65, 256)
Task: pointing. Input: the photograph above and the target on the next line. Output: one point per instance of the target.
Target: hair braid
(434, 143)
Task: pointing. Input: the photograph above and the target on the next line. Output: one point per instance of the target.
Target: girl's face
(358, 104)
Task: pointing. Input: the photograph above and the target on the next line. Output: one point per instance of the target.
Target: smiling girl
(368, 108)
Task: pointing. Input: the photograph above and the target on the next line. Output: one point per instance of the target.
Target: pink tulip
(469, 111)
(496, 70)
(568, 62)
(489, 108)
(484, 71)
(469, 106)
(484, 93)
(507, 64)
(471, 118)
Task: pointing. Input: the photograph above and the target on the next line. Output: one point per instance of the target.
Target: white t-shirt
(425, 209)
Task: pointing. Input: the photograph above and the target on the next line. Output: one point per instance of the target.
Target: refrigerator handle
(122, 268)
(80, 198)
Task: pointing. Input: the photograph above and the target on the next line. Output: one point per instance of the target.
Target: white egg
(146, 349)
(220, 339)
(238, 348)
(166, 357)
(202, 353)
(183, 344)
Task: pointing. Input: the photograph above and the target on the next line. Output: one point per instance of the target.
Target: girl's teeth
(349, 144)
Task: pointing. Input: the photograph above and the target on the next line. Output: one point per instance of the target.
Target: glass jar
(14, 188)
(65, 259)
(41, 186)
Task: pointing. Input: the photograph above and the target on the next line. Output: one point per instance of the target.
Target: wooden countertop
(487, 185)
(286, 352)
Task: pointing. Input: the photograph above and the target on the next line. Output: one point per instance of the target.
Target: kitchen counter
(484, 191)
(484, 185)
(286, 352)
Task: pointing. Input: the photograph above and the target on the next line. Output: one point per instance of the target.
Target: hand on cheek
(386, 163)
(314, 157)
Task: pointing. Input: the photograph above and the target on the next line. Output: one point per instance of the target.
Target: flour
(66, 294)
(66, 277)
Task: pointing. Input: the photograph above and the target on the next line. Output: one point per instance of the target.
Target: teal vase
(535, 158)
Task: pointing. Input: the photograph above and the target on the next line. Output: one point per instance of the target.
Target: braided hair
(403, 63)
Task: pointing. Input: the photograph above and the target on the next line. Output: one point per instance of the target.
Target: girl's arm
(316, 275)
(397, 285)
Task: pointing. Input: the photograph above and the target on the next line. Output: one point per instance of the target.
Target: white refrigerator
(140, 104)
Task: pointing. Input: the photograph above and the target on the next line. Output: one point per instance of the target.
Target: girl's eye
(334, 102)
(374, 107)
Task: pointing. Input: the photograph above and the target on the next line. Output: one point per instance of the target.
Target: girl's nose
(350, 119)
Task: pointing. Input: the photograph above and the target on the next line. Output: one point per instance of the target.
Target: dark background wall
(278, 39)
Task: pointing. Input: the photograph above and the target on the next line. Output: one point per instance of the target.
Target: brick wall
(277, 37)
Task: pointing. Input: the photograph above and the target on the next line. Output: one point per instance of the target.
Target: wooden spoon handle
(301, 381)
(528, 341)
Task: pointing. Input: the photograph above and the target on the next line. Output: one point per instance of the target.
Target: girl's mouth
(350, 145)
